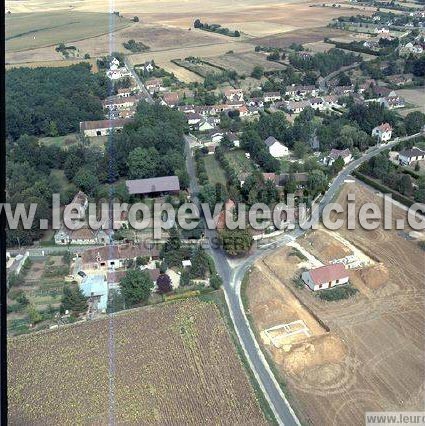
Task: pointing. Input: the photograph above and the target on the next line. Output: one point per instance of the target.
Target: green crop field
(26, 31)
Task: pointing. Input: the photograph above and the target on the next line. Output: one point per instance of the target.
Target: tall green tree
(143, 163)
(73, 300)
(136, 287)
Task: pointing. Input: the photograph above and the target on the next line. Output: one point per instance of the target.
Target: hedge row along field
(173, 363)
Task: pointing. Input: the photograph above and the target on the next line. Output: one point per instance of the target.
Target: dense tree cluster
(215, 28)
(391, 175)
(52, 101)
(136, 287)
(325, 63)
(152, 146)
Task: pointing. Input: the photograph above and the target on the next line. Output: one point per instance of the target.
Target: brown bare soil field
(323, 246)
(173, 363)
(377, 337)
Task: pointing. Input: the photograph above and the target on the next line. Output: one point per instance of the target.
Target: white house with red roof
(324, 277)
(383, 132)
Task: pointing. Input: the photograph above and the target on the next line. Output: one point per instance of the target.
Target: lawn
(32, 30)
(214, 171)
(61, 141)
(238, 160)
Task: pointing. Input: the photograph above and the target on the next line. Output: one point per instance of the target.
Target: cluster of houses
(116, 71)
(119, 109)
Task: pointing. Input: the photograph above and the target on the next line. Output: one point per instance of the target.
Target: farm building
(164, 184)
(325, 277)
(383, 132)
(276, 148)
(115, 256)
(408, 156)
(102, 127)
(83, 236)
(115, 103)
(95, 287)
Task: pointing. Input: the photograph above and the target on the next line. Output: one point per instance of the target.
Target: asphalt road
(139, 82)
(234, 272)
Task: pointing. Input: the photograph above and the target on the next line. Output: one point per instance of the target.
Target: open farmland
(371, 359)
(29, 31)
(173, 364)
(244, 62)
(164, 29)
(163, 58)
(308, 35)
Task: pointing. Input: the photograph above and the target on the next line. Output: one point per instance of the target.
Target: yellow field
(53, 64)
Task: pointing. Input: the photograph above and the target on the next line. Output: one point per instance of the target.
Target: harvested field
(157, 36)
(307, 35)
(163, 58)
(376, 361)
(33, 30)
(413, 96)
(54, 64)
(184, 370)
(243, 63)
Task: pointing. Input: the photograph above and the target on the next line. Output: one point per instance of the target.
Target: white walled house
(325, 277)
(383, 132)
(408, 156)
(272, 96)
(276, 148)
(345, 154)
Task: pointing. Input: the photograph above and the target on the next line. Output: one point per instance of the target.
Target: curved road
(234, 272)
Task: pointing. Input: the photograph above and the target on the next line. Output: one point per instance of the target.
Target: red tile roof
(328, 273)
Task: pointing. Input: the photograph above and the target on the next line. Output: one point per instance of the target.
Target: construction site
(344, 357)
